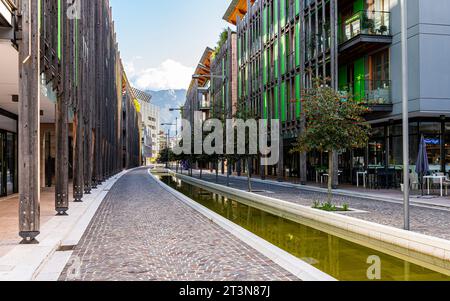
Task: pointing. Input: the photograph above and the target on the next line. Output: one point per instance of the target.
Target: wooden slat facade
(73, 49)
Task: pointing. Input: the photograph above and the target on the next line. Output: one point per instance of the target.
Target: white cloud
(168, 75)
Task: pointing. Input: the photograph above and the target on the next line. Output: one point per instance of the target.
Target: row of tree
(334, 121)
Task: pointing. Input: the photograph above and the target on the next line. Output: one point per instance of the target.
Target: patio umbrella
(422, 166)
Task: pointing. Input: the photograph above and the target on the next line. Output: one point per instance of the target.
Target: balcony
(376, 94)
(6, 15)
(364, 32)
(204, 106)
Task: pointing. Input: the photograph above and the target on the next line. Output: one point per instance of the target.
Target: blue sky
(162, 41)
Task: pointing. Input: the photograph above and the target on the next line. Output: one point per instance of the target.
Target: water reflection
(337, 257)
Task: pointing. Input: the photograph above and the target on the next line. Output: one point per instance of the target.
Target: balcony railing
(370, 92)
(372, 23)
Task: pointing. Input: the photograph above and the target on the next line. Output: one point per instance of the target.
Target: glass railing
(366, 23)
(371, 92)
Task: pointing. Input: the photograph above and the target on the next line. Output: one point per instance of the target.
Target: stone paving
(9, 218)
(141, 232)
(429, 221)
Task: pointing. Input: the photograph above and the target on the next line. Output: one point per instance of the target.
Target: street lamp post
(176, 129)
(404, 46)
(168, 142)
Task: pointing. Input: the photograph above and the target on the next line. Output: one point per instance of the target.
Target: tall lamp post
(168, 142)
(176, 128)
(405, 108)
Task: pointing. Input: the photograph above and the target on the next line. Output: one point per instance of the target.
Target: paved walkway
(429, 221)
(9, 217)
(141, 232)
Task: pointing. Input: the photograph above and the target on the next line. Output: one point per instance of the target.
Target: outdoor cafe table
(441, 181)
(364, 175)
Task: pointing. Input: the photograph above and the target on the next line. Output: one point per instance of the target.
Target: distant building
(162, 140)
(150, 127)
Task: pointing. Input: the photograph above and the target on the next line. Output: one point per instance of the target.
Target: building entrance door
(8, 163)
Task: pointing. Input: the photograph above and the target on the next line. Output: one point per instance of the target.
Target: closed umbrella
(422, 166)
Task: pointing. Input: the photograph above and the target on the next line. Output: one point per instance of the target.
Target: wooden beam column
(78, 122)
(29, 127)
(88, 114)
(62, 127)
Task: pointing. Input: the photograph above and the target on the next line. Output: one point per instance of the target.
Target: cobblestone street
(141, 232)
(434, 222)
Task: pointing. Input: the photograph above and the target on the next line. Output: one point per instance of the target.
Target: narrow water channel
(344, 260)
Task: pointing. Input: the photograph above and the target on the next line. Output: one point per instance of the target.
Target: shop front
(8, 154)
(384, 152)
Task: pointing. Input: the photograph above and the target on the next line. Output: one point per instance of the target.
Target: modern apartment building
(198, 94)
(283, 45)
(224, 76)
(150, 126)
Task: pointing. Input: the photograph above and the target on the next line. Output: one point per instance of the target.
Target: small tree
(333, 122)
(243, 112)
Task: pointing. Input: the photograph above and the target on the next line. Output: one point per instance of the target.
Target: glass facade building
(283, 45)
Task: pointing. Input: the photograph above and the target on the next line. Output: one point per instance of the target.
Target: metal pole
(167, 147)
(404, 37)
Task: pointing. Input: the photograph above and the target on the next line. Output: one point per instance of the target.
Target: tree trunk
(249, 177)
(330, 175)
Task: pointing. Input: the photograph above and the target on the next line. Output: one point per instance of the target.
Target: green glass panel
(359, 89)
(59, 29)
(283, 54)
(298, 95)
(265, 68)
(358, 5)
(297, 44)
(275, 54)
(265, 25)
(275, 23)
(265, 104)
(283, 102)
(343, 77)
(277, 115)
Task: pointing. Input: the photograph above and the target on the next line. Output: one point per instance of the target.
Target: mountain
(167, 99)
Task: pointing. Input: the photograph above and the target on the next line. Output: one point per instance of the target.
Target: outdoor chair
(414, 181)
(436, 182)
(372, 178)
(446, 185)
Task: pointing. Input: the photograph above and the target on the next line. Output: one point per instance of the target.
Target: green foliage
(346, 207)
(162, 158)
(329, 207)
(222, 40)
(333, 122)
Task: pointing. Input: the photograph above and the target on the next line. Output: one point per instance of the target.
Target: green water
(344, 260)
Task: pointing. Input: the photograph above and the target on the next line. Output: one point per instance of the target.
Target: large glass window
(377, 147)
(432, 134)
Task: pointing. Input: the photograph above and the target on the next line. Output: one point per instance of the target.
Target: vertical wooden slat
(62, 147)
(29, 128)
